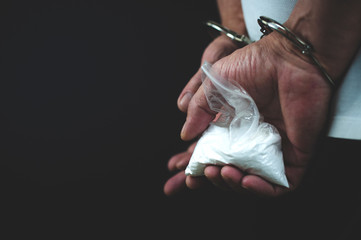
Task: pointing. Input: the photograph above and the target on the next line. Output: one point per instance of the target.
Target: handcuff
(240, 40)
(269, 25)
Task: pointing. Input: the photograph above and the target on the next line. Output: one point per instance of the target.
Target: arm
(318, 22)
(332, 27)
(289, 90)
(231, 15)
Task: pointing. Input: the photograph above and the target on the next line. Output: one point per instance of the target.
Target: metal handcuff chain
(240, 40)
(269, 25)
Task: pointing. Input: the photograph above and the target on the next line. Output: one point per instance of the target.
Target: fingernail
(244, 185)
(183, 103)
(183, 130)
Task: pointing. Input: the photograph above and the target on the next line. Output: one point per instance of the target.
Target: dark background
(88, 94)
(89, 88)
(88, 115)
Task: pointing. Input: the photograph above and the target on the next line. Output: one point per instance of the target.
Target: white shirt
(346, 107)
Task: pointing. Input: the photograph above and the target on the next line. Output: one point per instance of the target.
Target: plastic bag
(239, 137)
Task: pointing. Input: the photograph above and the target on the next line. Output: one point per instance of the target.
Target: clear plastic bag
(238, 137)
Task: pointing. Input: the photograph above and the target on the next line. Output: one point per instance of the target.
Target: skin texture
(289, 90)
(217, 49)
(290, 93)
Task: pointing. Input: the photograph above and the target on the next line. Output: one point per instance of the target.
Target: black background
(88, 115)
(89, 88)
(89, 119)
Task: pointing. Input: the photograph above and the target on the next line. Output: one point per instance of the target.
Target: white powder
(239, 138)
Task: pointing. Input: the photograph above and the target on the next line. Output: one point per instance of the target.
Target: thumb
(199, 115)
(189, 91)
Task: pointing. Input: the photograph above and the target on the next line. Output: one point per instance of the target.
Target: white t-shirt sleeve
(346, 107)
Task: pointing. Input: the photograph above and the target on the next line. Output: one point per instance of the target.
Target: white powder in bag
(239, 137)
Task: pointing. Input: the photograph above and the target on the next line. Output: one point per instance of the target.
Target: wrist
(231, 15)
(236, 25)
(329, 27)
(269, 25)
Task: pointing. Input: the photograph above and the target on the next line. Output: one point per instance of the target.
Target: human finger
(181, 165)
(175, 184)
(217, 49)
(192, 147)
(181, 160)
(189, 90)
(199, 115)
(178, 160)
(195, 182)
(213, 174)
(261, 187)
(233, 178)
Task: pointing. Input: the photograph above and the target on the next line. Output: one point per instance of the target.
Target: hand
(217, 49)
(290, 93)
(179, 163)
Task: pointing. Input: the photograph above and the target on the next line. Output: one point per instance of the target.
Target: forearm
(333, 29)
(231, 15)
